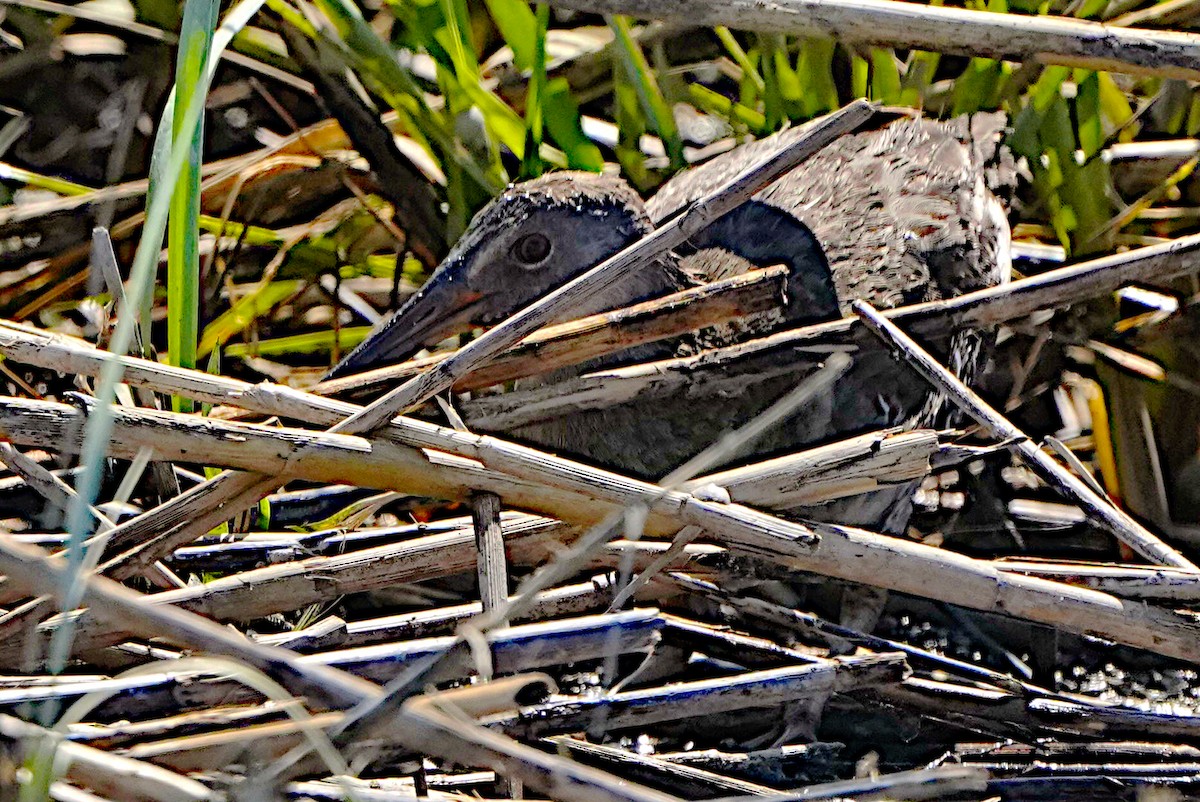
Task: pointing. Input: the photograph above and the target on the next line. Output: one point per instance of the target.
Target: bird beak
(444, 307)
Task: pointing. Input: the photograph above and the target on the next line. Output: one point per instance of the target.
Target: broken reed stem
(1148, 582)
(1100, 510)
(491, 565)
(292, 585)
(30, 569)
(1062, 286)
(117, 776)
(449, 722)
(125, 608)
(1045, 39)
(706, 698)
(847, 467)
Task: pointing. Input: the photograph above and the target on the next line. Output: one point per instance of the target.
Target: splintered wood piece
(1126, 581)
(857, 465)
(525, 647)
(586, 597)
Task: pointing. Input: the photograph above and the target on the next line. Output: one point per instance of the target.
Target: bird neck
(757, 235)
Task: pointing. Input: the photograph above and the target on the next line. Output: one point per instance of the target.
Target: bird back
(913, 211)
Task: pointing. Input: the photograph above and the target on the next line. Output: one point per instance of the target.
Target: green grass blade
(519, 27)
(654, 105)
(10, 172)
(790, 87)
(918, 77)
(160, 176)
(561, 115)
(375, 63)
(1089, 126)
(885, 76)
(531, 166)
(860, 74)
(246, 310)
(773, 103)
(978, 86)
(815, 67)
(1048, 132)
(631, 124)
(183, 244)
(716, 103)
(1116, 106)
(502, 122)
(739, 56)
(314, 342)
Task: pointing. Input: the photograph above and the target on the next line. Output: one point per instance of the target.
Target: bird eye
(531, 249)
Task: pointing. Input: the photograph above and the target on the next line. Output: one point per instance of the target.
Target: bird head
(531, 239)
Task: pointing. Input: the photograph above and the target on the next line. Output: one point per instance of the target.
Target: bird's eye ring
(531, 249)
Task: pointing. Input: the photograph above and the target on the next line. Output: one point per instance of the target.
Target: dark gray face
(542, 250)
(533, 238)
